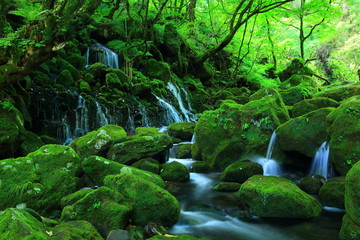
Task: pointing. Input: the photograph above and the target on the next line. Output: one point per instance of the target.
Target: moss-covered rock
(106, 209)
(75, 230)
(98, 70)
(97, 168)
(233, 130)
(65, 78)
(340, 93)
(146, 130)
(99, 141)
(349, 229)
(174, 172)
(240, 171)
(278, 197)
(11, 129)
(304, 134)
(31, 143)
(309, 105)
(312, 184)
(227, 187)
(150, 202)
(344, 132)
(297, 66)
(183, 151)
(332, 193)
(84, 86)
(41, 78)
(74, 197)
(183, 131)
(19, 224)
(352, 193)
(158, 70)
(148, 164)
(41, 179)
(154, 145)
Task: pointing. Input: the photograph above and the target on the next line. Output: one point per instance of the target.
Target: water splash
(189, 117)
(270, 166)
(99, 53)
(320, 164)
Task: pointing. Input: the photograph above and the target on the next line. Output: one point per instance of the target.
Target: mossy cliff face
(344, 132)
(351, 222)
(234, 130)
(278, 197)
(11, 129)
(304, 134)
(150, 202)
(41, 179)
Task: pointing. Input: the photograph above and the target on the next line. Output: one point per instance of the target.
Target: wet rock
(312, 184)
(183, 131)
(332, 193)
(340, 93)
(118, 235)
(148, 164)
(200, 167)
(153, 229)
(74, 230)
(277, 197)
(183, 151)
(240, 171)
(174, 172)
(227, 187)
(150, 202)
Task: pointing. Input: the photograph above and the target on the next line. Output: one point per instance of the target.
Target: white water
(101, 117)
(82, 118)
(131, 121)
(189, 117)
(270, 166)
(100, 53)
(171, 114)
(320, 164)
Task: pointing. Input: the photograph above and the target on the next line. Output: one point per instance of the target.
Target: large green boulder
(148, 164)
(32, 142)
(153, 145)
(75, 230)
(97, 168)
(240, 171)
(332, 193)
(150, 202)
(98, 142)
(296, 67)
(233, 130)
(40, 179)
(183, 151)
(340, 93)
(183, 131)
(11, 129)
(104, 208)
(344, 133)
(312, 184)
(65, 78)
(227, 187)
(309, 105)
(269, 196)
(158, 70)
(304, 134)
(174, 172)
(350, 228)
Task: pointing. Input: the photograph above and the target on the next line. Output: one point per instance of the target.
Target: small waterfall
(64, 132)
(101, 118)
(193, 138)
(82, 118)
(99, 53)
(189, 117)
(171, 114)
(131, 121)
(320, 164)
(145, 120)
(270, 166)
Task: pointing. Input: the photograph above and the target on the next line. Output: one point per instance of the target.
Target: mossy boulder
(98, 142)
(97, 168)
(41, 179)
(158, 70)
(312, 184)
(183, 131)
(304, 134)
(75, 230)
(19, 224)
(154, 145)
(146, 130)
(183, 151)
(332, 193)
(269, 196)
(148, 164)
(41, 78)
(308, 105)
(297, 66)
(233, 130)
(344, 133)
(98, 70)
(240, 171)
(150, 202)
(106, 209)
(65, 78)
(227, 187)
(350, 228)
(113, 81)
(340, 93)
(200, 167)
(11, 129)
(32, 142)
(174, 172)
(84, 86)
(74, 197)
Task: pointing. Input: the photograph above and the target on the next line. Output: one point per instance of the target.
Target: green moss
(270, 196)
(65, 78)
(183, 131)
(75, 230)
(352, 193)
(183, 151)
(200, 167)
(150, 202)
(148, 164)
(84, 86)
(74, 197)
(31, 143)
(174, 172)
(340, 93)
(240, 171)
(227, 187)
(332, 193)
(312, 184)
(158, 70)
(98, 70)
(349, 229)
(41, 78)
(313, 104)
(146, 130)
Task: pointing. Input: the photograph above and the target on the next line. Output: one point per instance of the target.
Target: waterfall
(101, 118)
(99, 53)
(189, 117)
(131, 121)
(270, 166)
(320, 164)
(171, 114)
(82, 118)
(145, 120)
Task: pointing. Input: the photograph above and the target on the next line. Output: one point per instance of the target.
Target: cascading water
(189, 117)
(82, 118)
(171, 114)
(145, 120)
(320, 164)
(101, 118)
(99, 53)
(270, 166)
